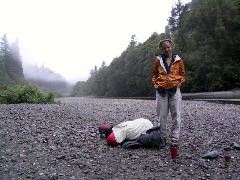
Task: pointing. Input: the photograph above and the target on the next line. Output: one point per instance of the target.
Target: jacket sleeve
(155, 72)
(182, 72)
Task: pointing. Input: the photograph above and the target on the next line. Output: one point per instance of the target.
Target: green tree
(10, 62)
(206, 35)
(79, 89)
(129, 74)
(210, 44)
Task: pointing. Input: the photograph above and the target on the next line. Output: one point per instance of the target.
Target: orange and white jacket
(167, 80)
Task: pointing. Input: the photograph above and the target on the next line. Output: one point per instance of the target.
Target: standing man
(167, 76)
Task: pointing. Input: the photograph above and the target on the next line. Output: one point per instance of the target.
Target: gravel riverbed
(61, 141)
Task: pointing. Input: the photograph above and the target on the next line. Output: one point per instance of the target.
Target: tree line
(206, 35)
(11, 71)
(15, 88)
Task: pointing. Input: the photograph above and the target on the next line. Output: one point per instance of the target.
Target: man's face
(166, 48)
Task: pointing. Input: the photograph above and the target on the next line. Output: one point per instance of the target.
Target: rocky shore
(61, 141)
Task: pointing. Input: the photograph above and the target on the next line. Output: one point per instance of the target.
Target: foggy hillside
(46, 79)
(43, 73)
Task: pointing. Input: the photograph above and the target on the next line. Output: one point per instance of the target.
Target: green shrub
(24, 94)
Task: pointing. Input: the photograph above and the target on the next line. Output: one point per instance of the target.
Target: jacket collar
(175, 58)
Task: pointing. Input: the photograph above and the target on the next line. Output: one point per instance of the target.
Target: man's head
(105, 130)
(166, 46)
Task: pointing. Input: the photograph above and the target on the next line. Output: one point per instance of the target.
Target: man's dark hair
(166, 40)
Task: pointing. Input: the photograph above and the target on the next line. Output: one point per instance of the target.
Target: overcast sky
(72, 36)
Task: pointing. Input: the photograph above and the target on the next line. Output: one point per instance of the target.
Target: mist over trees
(46, 79)
(206, 35)
(12, 71)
